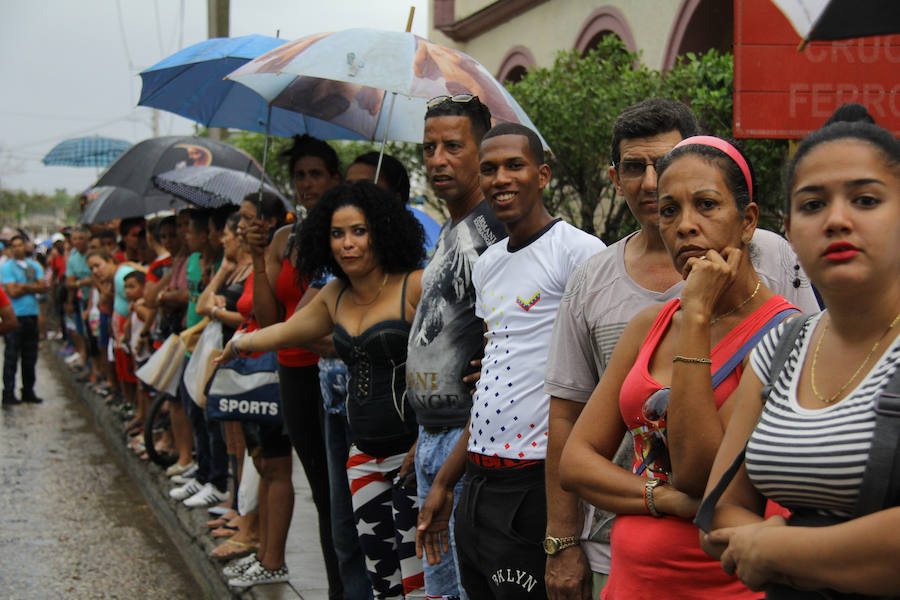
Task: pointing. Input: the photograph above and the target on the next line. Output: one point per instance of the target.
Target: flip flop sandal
(232, 549)
(216, 523)
(224, 531)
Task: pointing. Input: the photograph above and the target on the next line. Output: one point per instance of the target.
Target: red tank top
(649, 552)
(289, 294)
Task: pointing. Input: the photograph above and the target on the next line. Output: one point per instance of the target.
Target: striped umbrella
(93, 151)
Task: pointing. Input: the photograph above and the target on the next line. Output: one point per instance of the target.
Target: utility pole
(218, 25)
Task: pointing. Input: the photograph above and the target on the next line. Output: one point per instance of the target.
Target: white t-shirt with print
(517, 293)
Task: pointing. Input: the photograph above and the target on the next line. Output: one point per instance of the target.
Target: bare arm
(206, 300)
(8, 320)
(568, 573)
(432, 532)
(586, 466)
(312, 322)
(694, 424)
(322, 346)
(153, 288)
(267, 259)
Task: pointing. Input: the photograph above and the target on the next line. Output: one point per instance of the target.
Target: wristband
(212, 313)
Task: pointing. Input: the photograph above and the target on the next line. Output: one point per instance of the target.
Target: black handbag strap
(880, 486)
(792, 330)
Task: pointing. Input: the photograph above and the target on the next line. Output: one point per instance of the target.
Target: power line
(76, 133)
(45, 117)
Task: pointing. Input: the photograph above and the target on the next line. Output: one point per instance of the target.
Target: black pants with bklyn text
(500, 524)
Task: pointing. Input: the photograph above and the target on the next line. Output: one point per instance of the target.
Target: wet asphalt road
(72, 525)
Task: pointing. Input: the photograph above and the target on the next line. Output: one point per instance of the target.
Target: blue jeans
(351, 563)
(432, 451)
(209, 443)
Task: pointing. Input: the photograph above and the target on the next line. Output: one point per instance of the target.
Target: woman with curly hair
(372, 245)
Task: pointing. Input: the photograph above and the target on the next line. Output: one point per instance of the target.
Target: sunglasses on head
(461, 98)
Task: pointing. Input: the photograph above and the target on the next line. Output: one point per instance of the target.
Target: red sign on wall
(782, 93)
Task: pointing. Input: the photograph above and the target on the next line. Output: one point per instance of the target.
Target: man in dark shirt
(446, 335)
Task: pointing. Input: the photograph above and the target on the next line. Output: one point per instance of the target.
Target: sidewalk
(186, 527)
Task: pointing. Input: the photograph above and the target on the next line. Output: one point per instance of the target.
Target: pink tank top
(656, 557)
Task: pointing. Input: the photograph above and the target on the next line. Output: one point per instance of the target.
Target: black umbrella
(840, 19)
(212, 187)
(108, 203)
(135, 168)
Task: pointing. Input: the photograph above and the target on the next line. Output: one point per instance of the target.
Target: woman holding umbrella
(373, 246)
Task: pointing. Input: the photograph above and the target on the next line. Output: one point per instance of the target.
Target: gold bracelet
(688, 359)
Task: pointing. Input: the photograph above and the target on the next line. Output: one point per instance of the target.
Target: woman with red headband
(669, 378)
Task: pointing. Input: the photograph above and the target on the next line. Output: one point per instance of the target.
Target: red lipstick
(840, 251)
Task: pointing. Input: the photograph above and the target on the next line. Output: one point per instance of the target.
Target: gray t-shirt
(446, 335)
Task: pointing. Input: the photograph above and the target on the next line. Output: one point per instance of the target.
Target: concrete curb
(180, 523)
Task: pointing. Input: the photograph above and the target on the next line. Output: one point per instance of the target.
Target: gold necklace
(839, 393)
(739, 306)
(378, 293)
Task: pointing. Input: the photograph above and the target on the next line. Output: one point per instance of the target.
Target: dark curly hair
(396, 235)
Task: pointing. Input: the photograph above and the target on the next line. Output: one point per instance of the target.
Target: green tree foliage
(706, 84)
(575, 102)
(20, 207)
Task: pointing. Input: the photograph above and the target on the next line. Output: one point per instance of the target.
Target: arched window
(600, 23)
(699, 26)
(515, 64)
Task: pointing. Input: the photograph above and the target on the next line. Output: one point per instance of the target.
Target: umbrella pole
(263, 174)
(384, 137)
(409, 22)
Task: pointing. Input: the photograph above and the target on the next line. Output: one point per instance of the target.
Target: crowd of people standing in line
(514, 410)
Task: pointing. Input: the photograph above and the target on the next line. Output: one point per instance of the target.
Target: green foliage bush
(575, 102)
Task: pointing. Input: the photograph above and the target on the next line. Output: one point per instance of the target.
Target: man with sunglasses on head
(602, 295)
(446, 336)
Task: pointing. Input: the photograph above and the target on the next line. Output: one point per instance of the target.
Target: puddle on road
(74, 526)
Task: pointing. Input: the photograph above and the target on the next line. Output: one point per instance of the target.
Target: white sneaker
(177, 469)
(191, 487)
(184, 477)
(207, 496)
(240, 566)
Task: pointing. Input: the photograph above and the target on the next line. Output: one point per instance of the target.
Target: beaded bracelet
(688, 359)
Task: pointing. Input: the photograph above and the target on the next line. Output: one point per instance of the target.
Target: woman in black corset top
(372, 246)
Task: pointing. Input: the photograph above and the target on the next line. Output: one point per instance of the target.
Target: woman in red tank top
(659, 382)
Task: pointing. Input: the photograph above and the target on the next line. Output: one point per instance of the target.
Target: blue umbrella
(192, 83)
(94, 151)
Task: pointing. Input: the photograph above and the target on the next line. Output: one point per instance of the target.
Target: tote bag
(162, 371)
(195, 372)
(245, 389)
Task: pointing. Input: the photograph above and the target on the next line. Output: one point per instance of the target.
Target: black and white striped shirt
(813, 458)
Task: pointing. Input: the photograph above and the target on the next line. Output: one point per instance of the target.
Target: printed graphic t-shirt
(446, 335)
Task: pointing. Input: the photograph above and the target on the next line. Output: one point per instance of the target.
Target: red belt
(498, 462)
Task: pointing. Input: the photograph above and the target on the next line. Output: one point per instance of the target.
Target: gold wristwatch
(554, 545)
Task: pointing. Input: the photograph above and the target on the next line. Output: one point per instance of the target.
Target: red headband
(731, 151)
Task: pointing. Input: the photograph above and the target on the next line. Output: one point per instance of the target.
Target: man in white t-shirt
(603, 294)
(519, 283)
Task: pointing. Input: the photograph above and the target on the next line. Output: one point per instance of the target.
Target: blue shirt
(78, 267)
(13, 272)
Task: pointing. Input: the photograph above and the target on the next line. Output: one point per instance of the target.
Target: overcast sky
(70, 67)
